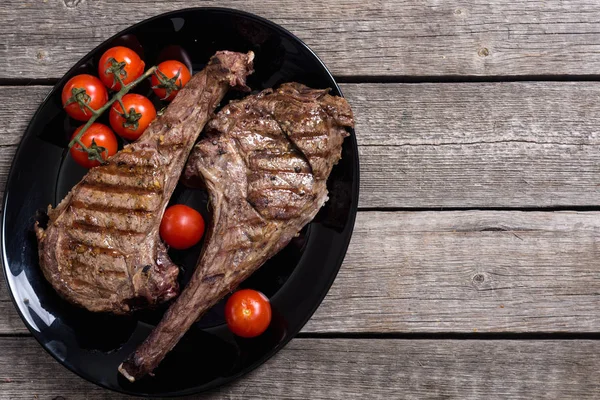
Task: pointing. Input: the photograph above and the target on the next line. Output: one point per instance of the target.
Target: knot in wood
(482, 282)
(483, 52)
(478, 278)
(72, 3)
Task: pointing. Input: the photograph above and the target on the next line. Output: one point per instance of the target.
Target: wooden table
(473, 269)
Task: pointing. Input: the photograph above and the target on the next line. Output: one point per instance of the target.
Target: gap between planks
(380, 79)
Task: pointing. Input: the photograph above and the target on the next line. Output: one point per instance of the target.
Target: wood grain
(521, 144)
(43, 39)
(475, 113)
(472, 271)
(477, 145)
(458, 272)
(10, 322)
(18, 106)
(355, 369)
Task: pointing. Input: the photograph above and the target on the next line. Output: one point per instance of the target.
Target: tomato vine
(95, 152)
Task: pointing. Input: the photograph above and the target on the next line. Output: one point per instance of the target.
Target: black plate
(296, 280)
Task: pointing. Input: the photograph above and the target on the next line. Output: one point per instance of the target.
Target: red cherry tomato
(132, 68)
(181, 227)
(89, 90)
(102, 136)
(140, 112)
(248, 313)
(173, 76)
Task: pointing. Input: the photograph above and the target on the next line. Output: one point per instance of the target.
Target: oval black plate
(296, 280)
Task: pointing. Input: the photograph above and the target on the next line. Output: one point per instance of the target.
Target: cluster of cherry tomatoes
(84, 94)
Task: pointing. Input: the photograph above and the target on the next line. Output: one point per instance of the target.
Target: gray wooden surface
(440, 145)
(473, 270)
(324, 369)
(43, 38)
(456, 271)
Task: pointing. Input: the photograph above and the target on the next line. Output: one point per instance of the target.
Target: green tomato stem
(125, 113)
(94, 112)
(80, 143)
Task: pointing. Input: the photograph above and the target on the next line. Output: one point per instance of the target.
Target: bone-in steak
(101, 249)
(265, 162)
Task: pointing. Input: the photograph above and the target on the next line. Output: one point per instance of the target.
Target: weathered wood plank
(43, 39)
(477, 145)
(477, 113)
(522, 144)
(355, 369)
(467, 272)
(10, 322)
(18, 106)
(480, 175)
(460, 272)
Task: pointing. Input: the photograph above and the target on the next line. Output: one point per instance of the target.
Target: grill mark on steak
(129, 200)
(79, 247)
(280, 180)
(140, 155)
(314, 135)
(276, 198)
(279, 163)
(105, 273)
(250, 222)
(111, 220)
(151, 181)
(126, 244)
(80, 284)
(82, 226)
(285, 191)
(127, 170)
(122, 189)
(113, 209)
(113, 274)
(119, 205)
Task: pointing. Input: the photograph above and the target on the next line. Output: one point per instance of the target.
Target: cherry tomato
(140, 112)
(102, 136)
(248, 313)
(181, 227)
(173, 76)
(132, 66)
(83, 89)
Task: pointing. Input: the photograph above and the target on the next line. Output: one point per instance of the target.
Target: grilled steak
(101, 249)
(265, 162)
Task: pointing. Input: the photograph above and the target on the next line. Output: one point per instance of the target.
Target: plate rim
(353, 210)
